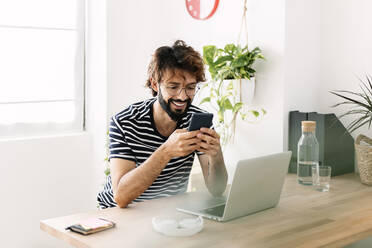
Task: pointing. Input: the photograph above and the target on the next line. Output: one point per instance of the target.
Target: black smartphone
(199, 120)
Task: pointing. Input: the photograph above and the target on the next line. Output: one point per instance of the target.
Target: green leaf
(250, 70)
(352, 100)
(237, 107)
(206, 99)
(239, 62)
(255, 113)
(230, 48)
(263, 111)
(221, 61)
(227, 104)
(238, 50)
(209, 54)
(230, 86)
(220, 116)
(107, 171)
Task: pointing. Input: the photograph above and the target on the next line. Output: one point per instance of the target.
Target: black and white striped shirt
(133, 136)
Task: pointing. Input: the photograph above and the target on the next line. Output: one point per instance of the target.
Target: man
(151, 152)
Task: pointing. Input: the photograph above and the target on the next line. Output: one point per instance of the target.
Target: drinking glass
(321, 178)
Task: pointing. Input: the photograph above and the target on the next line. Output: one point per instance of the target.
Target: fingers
(189, 135)
(192, 141)
(208, 149)
(208, 139)
(187, 149)
(210, 132)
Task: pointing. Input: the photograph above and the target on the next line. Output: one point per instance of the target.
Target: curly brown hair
(179, 56)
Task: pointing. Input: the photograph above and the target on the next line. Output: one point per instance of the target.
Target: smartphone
(199, 120)
(92, 225)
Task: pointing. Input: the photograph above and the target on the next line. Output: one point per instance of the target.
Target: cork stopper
(308, 126)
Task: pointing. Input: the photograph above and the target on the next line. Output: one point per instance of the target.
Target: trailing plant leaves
(237, 106)
(231, 62)
(220, 116)
(227, 104)
(230, 86)
(107, 171)
(255, 113)
(206, 99)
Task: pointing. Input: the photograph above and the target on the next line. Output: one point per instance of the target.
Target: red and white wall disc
(202, 9)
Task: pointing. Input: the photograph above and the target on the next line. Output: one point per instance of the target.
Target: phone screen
(199, 120)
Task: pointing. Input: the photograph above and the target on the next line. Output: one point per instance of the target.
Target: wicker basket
(364, 158)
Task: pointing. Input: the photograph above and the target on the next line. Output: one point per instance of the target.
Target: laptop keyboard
(217, 210)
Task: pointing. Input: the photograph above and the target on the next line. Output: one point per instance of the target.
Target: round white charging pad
(177, 228)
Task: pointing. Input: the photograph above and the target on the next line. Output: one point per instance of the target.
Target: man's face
(172, 93)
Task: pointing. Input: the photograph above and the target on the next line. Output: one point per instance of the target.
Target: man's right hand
(181, 143)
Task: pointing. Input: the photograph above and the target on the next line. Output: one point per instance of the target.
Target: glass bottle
(307, 153)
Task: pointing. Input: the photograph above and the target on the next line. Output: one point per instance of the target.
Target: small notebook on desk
(91, 225)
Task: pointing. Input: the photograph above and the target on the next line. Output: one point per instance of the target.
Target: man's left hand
(210, 144)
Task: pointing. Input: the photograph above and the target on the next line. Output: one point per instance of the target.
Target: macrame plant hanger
(243, 25)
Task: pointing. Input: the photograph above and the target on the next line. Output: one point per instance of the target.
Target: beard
(174, 115)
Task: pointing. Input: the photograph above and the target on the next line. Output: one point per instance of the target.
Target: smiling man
(151, 151)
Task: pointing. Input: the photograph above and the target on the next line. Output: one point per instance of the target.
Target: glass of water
(321, 177)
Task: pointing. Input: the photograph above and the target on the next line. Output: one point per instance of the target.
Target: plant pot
(364, 158)
(244, 89)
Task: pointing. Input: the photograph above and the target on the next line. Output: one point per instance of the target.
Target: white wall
(346, 51)
(47, 177)
(42, 178)
(137, 28)
(96, 86)
(328, 46)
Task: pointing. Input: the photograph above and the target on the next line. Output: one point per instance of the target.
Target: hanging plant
(232, 62)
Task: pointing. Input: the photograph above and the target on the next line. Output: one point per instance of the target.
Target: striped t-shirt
(133, 136)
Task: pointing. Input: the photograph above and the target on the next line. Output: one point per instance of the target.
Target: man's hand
(181, 143)
(210, 144)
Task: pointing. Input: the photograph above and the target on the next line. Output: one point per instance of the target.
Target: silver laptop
(256, 186)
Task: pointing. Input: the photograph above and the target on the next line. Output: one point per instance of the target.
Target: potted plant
(233, 80)
(361, 110)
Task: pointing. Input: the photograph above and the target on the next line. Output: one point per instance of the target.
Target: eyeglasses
(175, 90)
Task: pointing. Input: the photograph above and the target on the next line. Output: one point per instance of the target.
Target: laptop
(256, 186)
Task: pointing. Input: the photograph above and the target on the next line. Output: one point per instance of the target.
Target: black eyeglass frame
(167, 88)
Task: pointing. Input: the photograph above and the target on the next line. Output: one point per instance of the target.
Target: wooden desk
(303, 218)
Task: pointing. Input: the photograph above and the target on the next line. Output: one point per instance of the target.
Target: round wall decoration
(201, 9)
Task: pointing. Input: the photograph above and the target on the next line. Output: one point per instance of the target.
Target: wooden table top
(303, 218)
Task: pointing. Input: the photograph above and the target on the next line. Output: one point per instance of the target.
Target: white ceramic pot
(247, 87)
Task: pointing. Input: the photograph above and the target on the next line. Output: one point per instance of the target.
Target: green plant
(232, 62)
(361, 104)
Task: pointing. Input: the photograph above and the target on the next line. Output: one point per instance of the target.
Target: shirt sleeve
(118, 145)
